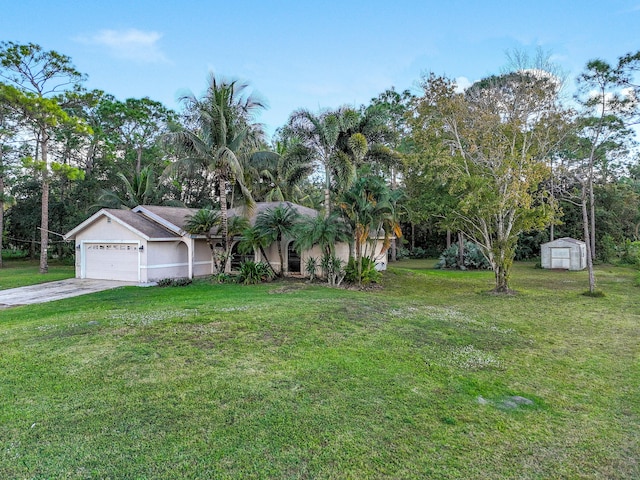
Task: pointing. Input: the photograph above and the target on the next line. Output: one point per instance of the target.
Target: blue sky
(314, 55)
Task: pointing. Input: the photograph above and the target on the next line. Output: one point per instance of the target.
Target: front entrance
(293, 260)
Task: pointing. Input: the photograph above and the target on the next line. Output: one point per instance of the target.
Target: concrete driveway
(46, 292)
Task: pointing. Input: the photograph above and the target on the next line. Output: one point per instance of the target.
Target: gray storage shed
(564, 253)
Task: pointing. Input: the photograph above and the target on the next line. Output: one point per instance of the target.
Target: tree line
(507, 163)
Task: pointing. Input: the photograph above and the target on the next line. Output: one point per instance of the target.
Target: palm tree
(372, 125)
(252, 240)
(143, 189)
(276, 225)
(278, 175)
(369, 206)
(322, 231)
(320, 134)
(219, 131)
(201, 223)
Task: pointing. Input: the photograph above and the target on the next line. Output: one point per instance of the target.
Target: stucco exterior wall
(166, 260)
(202, 259)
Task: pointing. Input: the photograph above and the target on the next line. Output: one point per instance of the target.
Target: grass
(421, 379)
(20, 273)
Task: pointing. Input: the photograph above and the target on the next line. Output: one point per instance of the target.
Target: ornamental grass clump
(252, 273)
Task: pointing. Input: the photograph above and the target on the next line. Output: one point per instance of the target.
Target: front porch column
(190, 253)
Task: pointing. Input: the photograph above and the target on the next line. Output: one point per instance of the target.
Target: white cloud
(462, 83)
(129, 44)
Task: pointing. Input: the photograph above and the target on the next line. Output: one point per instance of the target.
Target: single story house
(149, 243)
(564, 253)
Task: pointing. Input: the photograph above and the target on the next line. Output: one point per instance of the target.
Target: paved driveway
(46, 292)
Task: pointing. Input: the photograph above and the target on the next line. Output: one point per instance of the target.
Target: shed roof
(566, 240)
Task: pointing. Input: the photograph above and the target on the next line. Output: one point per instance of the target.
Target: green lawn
(19, 273)
(419, 379)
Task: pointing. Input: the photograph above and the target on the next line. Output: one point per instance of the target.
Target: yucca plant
(252, 272)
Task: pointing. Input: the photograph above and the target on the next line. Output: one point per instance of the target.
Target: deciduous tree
(497, 136)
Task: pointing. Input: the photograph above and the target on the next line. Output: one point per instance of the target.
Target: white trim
(161, 220)
(171, 265)
(95, 217)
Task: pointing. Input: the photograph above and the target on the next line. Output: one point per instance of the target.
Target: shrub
(252, 272)
(606, 251)
(418, 253)
(630, 253)
(369, 272)
(310, 267)
(528, 246)
(14, 253)
(332, 268)
(222, 278)
(473, 257)
(174, 282)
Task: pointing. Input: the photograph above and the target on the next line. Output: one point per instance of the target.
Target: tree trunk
(394, 250)
(460, 250)
(502, 279)
(283, 269)
(138, 160)
(222, 185)
(587, 241)
(413, 236)
(266, 259)
(44, 219)
(448, 238)
(592, 207)
(327, 193)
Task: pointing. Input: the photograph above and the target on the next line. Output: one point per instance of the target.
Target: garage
(128, 246)
(111, 261)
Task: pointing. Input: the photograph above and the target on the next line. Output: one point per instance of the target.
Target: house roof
(156, 222)
(172, 218)
(262, 207)
(136, 222)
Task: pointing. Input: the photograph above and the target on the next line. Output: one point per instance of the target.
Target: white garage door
(561, 258)
(111, 261)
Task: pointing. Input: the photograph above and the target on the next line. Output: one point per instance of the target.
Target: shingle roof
(175, 215)
(170, 221)
(141, 223)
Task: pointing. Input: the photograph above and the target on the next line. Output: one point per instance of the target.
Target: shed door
(111, 261)
(561, 258)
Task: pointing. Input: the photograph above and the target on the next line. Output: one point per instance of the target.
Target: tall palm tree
(320, 134)
(276, 225)
(219, 130)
